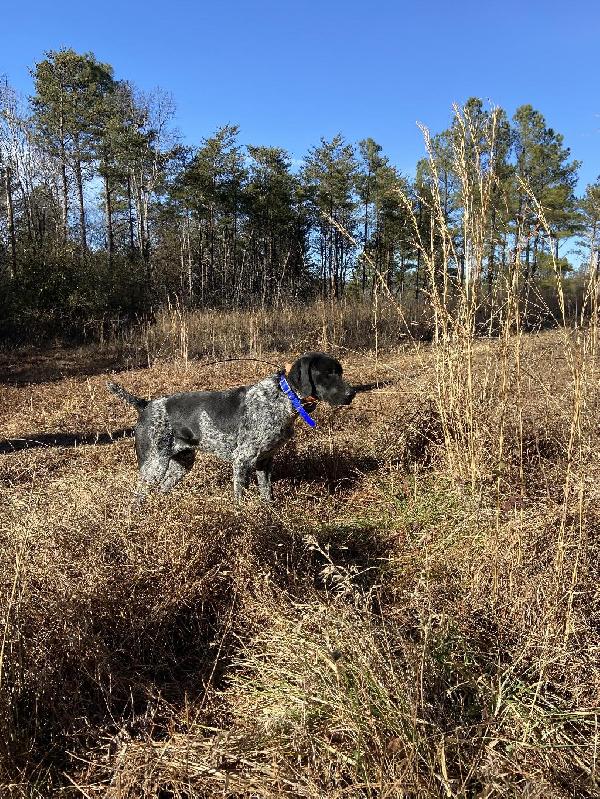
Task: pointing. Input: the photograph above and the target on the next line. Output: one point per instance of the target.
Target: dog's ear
(299, 377)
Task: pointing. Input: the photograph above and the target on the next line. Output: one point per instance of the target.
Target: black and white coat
(244, 425)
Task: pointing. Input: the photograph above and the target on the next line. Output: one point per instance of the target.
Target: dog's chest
(268, 419)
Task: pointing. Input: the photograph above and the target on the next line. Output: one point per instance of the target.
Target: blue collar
(295, 400)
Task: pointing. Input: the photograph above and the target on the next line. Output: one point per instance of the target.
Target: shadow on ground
(336, 470)
(31, 368)
(36, 440)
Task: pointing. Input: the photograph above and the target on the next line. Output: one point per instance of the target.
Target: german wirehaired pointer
(245, 425)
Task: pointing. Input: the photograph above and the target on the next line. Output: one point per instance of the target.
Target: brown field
(418, 615)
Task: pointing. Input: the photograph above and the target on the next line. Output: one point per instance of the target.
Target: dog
(244, 425)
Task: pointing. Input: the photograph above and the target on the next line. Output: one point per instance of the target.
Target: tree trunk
(363, 277)
(130, 213)
(65, 203)
(211, 273)
(141, 207)
(82, 226)
(534, 263)
(190, 264)
(418, 271)
(490, 269)
(110, 241)
(491, 254)
(63, 174)
(11, 223)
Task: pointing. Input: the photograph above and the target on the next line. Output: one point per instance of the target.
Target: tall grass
(416, 617)
(346, 326)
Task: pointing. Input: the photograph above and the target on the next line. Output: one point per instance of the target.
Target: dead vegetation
(418, 614)
(384, 630)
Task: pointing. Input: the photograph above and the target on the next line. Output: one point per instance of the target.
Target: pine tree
(590, 226)
(275, 227)
(387, 229)
(210, 186)
(70, 106)
(543, 166)
(329, 175)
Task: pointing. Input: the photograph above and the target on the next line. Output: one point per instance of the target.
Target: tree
(27, 177)
(153, 149)
(329, 175)
(70, 107)
(210, 186)
(387, 230)
(10, 129)
(590, 227)
(481, 141)
(372, 161)
(543, 172)
(275, 227)
(470, 167)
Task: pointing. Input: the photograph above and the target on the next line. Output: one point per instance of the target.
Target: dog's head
(318, 375)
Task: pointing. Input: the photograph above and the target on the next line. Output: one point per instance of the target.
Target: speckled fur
(245, 425)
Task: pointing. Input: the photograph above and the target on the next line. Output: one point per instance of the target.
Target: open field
(418, 615)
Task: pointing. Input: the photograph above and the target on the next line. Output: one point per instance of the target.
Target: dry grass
(349, 325)
(384, 630)
(417, 616)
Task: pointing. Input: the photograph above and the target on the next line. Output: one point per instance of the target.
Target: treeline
(104, 212)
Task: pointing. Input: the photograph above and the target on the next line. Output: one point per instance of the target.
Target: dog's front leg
(241, 479)
(264, 470)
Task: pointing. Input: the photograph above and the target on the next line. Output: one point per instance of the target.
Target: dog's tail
(120, 392)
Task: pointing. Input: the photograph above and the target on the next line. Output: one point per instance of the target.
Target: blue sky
(291, 72)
